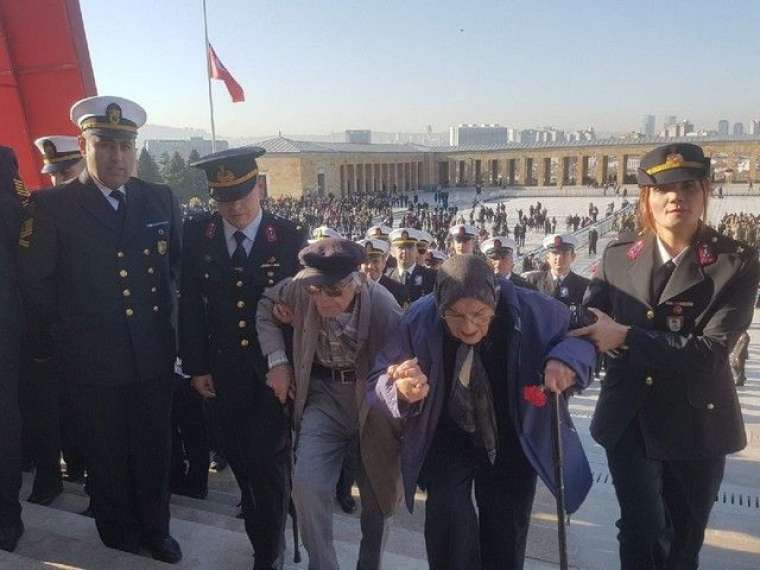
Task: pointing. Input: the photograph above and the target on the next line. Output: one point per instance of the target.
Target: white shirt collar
(665, 255)
(250, 230)
(106, 190)
(410, 270)
(557, 276)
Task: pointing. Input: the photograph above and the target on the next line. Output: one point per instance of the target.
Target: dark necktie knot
(239, 256)
(239, 237)
(118, 195)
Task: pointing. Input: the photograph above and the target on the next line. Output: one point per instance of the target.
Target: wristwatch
(277, 358)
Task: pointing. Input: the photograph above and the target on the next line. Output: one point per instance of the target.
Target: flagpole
(208, 76)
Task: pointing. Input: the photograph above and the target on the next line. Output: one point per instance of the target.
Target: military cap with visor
(559, 242)
(463, 232)
(59, 152)
(498, 247)
(108, 116)
(402, 237)
(668, 164)
(375, 247)
(232, 174)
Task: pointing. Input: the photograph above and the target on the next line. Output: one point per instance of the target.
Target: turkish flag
(218, 71)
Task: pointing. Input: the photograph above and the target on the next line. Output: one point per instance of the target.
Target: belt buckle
(339, 376)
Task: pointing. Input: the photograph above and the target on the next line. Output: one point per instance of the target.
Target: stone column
(601, 168)
(581, 169)
(526, 171)
(622, 168)
(564, 171)
(511, 168)
(543, 172)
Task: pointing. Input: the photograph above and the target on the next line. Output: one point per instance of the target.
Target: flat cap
(327, 261)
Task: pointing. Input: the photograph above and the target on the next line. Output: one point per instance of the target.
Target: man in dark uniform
(499, 252)
(374, 267)
(99, 269)
(417, 280)
(12, 195)
(560, 281)
(230, 257)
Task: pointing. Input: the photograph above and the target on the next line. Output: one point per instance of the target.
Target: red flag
(218, 71)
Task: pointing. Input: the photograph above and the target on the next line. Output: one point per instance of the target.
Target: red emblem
(461, 232)
(706, 254)
(534, 395)
(677, 310)
(558, 241)
(211, 230)
(635, 250)
(497, 243)
(271, 234)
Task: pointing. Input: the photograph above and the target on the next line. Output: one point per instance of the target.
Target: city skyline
(321, 67)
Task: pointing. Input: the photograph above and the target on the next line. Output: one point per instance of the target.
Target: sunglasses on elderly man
(335, 290)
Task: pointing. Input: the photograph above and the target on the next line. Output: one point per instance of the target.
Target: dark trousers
(664, 505)
(127, 448)
(455, 537)
(256, 434)
(40, 409)
(190, 449)
(10, 437)
(349, 471)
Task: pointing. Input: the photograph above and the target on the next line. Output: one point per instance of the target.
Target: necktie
(660, 279)
(239, 256)
(121, 210)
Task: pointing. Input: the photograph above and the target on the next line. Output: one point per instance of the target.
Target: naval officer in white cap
(61, 157)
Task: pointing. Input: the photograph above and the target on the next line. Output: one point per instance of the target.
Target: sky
(322, 66)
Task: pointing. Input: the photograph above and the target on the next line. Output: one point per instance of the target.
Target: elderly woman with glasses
(466, 372)
(340, 320)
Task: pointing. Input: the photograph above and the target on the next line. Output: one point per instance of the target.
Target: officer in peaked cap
(379, 232)
(99, 265)
(499, 252)
(434, 258)
(424, 239)
(230, 256)
(324, 232)
(560, 281)
(464, 237)
(417, 279)
(377, 256)
(12, 193)
(671, 301)
(61, 157)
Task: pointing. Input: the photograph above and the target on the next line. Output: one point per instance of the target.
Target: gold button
(710, 406)
(153, 289)
(129, 312)
(151, 270)
(648, 381)
(126, 292)
(239, 284)
(146, 251)
(244, 342)
(242, 324)
(155, 308)
(119, 254)
(270, 273)
(205, 276)
(271, 282)
(240, 304)
(650, 314)
(123, 273)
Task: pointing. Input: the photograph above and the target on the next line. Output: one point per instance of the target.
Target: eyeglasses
(333, 291)
(478, 319)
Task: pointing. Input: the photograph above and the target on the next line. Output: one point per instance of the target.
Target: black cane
(560, 478)
(294, 519)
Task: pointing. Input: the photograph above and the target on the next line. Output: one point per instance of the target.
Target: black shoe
(46, 497)
(218, 463)
(347, 504)
(9, 536)
(165, 549)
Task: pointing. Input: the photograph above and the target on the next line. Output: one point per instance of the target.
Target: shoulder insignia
(705, 254)
(210, 230)
(270, 233)
(635, 250)
(25, 235)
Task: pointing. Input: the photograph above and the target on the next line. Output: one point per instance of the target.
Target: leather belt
(339, 375)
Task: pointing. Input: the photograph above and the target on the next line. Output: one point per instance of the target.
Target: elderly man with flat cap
(341, 322)
(99, 266)
(229, 258)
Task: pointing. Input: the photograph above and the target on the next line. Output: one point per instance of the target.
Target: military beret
(327, 261)
(678, 162)
(558, 242)
(232, 174)
(59, 152)
(108, 116)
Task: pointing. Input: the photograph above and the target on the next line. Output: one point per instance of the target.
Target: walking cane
(560, 478)
(291, 504)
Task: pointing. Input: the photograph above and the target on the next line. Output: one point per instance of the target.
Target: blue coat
(540, 324)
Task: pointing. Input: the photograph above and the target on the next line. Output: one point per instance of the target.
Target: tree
(174, 173)
(195, 179)
(147, 169)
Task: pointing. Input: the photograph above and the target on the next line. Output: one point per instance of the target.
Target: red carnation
(706, 254)
(211, 230)
(271, 234)
(534, 395)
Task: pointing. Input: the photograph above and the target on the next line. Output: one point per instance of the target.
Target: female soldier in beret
(670, 303)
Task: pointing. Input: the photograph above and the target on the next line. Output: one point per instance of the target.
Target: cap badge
(558, 241)
(497, 243)
(461, 231)
(224, 175)
(48, 149)
(113, 113)
(404, 235)
(674, 160)
(635, 250)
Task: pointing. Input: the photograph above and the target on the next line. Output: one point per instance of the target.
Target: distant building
(723, 126)
(680, 129)
(464, 135)
(669, 120)
(359, 137)
(157, 147)
(738, 129)
(754, 128)
(648, 126)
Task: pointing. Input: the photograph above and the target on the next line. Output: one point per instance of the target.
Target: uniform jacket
(110, 296)
(396, 289)
(378, 319)
(570, 292)
(218, 303)
(420, 283)
(520, 281)
(539, 327)
(673, 371)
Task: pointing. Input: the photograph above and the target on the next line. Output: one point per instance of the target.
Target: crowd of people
(335, 347)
